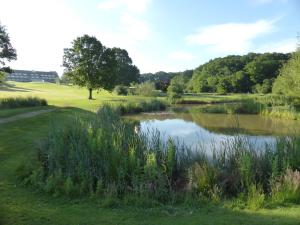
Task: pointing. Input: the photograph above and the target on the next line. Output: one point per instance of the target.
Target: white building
(32, 76)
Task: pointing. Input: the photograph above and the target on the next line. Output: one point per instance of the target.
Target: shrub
(146, 89)
(9, 103)
(121, 90)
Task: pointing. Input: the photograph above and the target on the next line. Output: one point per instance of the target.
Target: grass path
(24, 116)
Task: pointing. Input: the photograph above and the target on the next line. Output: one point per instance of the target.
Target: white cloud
(231, 37)
(284, 46)
(137, 6)
(132, 30)
(181, 55)
(39, 31)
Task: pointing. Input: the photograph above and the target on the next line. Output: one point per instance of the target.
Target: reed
(18, 102)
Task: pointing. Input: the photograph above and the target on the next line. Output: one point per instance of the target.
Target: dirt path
(24, 116)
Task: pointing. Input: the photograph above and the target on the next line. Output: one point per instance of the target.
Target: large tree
(126, 71)
(7, 52)
(90, 64)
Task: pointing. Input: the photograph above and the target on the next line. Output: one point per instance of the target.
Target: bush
(176, 89)
(10, 103)
(145, 89)
(121, 90)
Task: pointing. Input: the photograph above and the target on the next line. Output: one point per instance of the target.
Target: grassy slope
(57, 95)
(19, 205)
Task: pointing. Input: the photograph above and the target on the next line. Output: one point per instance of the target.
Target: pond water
(206, 131)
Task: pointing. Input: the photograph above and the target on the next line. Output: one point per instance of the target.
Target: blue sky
(169, 35)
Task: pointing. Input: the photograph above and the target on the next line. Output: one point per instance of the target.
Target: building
(32, 76)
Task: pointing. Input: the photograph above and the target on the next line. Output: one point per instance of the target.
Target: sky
(159, 35)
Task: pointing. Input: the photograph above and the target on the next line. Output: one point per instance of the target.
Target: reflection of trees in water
(230, 124)
(248, 124)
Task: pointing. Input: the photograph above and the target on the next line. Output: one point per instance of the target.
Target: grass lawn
(62, 95)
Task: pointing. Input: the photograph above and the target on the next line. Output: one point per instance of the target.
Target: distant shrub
(9, 103)
(145, 89)
(121, 90)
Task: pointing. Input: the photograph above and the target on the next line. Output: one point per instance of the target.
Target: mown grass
(12, 112)
(21, 205)
(63, 95)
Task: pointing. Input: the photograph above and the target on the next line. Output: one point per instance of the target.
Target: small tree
(288, 82)
(176, 88)
(7, 52)
(89, 64)
(2, 77)
(146, 89)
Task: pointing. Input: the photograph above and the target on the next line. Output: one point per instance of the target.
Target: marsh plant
(17, 102)
(104, 157)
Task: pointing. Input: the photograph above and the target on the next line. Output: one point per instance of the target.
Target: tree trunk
(90, 93)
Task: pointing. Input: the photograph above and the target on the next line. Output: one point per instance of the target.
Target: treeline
(239, 74)
(162, 79)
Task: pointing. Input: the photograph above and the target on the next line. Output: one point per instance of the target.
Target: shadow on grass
(14, 88)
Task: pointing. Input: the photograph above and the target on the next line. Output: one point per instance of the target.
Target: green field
(23, 205)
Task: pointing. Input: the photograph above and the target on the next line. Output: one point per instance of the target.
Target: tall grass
(132, 107)
(276, 106)
(18, 102)
(247, 106)
(105, 157)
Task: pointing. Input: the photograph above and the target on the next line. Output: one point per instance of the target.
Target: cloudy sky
(169, 35)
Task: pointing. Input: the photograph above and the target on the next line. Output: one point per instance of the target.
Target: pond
(206, 131)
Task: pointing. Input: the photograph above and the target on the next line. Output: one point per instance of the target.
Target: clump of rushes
(10, 103)
(132, 107)
(104, 157)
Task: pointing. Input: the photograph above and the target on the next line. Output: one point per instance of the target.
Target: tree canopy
(7, 52)
(240, 74)
(90, 64)
(288, 82)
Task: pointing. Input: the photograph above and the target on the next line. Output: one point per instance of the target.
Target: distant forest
(251, 73)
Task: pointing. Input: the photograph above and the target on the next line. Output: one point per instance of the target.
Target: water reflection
(202, 130)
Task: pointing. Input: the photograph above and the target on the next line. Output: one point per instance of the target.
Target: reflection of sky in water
(196, 136)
